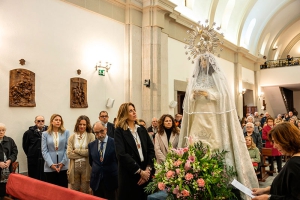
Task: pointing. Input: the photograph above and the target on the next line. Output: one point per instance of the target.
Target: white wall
(279, 76)
(247, 75)
(56, 39)
(180, 68)
(296, 95)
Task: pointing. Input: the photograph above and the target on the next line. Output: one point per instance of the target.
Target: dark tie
(101, 151)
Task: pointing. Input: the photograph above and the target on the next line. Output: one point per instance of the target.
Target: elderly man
(103, 117)
(103, 160)
(255, 136)
(256, 117)
(32, 148)
(264, 119)
(250, 119)
(152, 130)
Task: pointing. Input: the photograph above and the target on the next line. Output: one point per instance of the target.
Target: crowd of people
(113, 161)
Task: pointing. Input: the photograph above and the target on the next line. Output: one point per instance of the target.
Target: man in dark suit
(103, 117)
(103, 160)
(32, 147)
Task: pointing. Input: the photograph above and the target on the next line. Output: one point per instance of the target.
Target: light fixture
(107, 66)
(147, 82)
(260, 95)
(275, 48)
(173, 104)
(243, 91)
(110, 103)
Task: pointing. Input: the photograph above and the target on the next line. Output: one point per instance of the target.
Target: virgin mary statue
(210, 116)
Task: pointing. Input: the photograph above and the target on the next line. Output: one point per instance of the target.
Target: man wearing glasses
(32, 148)
(103, 160)
(103, 117)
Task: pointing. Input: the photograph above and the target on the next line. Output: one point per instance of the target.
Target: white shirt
(137, 140)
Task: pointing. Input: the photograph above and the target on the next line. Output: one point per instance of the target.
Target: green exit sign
(101, 72)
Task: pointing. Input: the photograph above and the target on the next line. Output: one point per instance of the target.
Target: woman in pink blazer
(167, 135)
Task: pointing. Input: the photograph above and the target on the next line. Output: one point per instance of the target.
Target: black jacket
(32, 143)
(10, 149)
(129, 162)
(110, 130)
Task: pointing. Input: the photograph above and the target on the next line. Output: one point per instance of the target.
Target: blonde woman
(54, 151)
(253, 151)
(167, 135)
(135, 153)
(80, 170)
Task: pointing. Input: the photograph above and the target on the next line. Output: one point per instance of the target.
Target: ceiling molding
(290, 46)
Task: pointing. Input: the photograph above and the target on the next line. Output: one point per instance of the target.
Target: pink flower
(179, 151)
(189, 176)
(185, 193)
(201, 182)
(161, 186)
(176, 190)
(185, 149)
(177, 163)
(170, 174)
(187, 165)
(192, 158)
(177, 171)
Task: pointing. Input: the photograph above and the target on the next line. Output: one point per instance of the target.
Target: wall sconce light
(110, 103)
(107, 66)
(260, 95)
(275, 48)
(243, 91)
(147, 82)
(173, 104)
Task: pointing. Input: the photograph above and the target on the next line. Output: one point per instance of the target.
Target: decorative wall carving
(21, 88)
(78, 93)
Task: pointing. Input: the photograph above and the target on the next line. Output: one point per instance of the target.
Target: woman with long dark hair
(80, 170)
(167, 135)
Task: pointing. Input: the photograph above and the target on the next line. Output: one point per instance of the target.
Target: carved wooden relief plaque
(21, 88)
(78, 93)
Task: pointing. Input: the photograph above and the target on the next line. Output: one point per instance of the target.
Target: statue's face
(203, 62)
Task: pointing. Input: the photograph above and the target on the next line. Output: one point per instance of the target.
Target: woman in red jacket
(275, 152)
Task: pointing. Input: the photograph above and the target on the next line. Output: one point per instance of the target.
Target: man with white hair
(255, 136)
(264, 119)
(32, 148)
(251, 119)
(256, 117)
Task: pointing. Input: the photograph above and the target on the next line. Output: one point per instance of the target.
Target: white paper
(242, 188)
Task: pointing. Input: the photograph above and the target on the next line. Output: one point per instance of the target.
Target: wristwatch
(269, 197)
(149, 168)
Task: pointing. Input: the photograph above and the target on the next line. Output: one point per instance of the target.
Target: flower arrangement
(193, 173)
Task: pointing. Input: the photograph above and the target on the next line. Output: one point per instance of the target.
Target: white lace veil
(226, 121)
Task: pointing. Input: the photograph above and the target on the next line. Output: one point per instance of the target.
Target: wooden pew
(263, 173)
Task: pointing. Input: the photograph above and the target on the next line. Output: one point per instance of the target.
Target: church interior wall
(56, 39)
(279, 76)
(296, 96)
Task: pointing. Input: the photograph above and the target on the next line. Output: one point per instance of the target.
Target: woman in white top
(80, 170)
(54, 146)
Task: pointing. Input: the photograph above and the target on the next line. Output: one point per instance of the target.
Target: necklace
(136, 141)
(55, 138)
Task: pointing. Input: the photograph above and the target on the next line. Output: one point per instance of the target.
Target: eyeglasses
(97, 132)
(249, 127)
(104, 116)
(154, 121)
(38, 121)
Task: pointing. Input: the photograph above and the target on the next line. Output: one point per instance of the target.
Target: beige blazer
(79, 154)
(161, 146)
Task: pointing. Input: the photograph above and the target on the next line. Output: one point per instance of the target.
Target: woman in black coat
(8, 155)
(135, 154)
